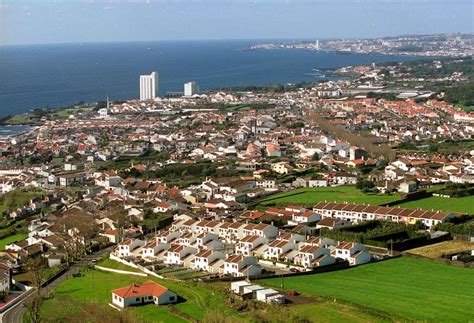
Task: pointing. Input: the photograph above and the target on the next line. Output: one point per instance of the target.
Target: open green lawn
(310, 196)
(65, 113)
(455, 204)
(201, 298)
(12, 238)
(414, 289)
(21, 119)
(110, 263)
(17, 198)
(96, 286)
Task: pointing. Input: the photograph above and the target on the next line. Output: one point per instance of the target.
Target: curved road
(15, 313)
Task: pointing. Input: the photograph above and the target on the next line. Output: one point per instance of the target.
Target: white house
(5, 279)
(251, 246)
(208, 260)
(354, 253)
(307, 256)
(241, 266)
(281, 249)
(126, 248)
(148, 292)
(154, 250)
(304, 217)
(180, 255)
(263, 230)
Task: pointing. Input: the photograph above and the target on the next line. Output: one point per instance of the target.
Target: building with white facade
(148, 86)
(148, 292)
(190, 88)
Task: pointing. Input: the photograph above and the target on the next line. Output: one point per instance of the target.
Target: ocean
(7, 131)
(37, 76)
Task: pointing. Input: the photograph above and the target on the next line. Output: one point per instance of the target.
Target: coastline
(8, 131)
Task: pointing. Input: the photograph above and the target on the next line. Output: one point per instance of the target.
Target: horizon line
(230, 39)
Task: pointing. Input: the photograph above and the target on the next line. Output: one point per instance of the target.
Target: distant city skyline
(43, 22)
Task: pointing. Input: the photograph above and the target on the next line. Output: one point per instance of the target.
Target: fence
(131, 264)
(118, 271)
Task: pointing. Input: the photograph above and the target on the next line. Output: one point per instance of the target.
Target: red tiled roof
(149, 288)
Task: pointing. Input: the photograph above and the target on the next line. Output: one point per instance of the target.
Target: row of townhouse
(229, 232)
(233, 247)
(359, 212)
(187, 256)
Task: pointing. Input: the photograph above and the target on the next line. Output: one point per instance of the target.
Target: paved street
(16, 312)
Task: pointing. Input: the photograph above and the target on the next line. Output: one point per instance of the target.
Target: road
(15, 313)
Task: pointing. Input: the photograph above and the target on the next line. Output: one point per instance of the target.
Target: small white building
(148, 292)
(125, 248)
(240, 266)
(269, 296)
(354, 253)
(238, 286)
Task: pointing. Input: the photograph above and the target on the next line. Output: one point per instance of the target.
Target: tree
(35, 267)
(375, 150)
(33, 306)
(364, 185)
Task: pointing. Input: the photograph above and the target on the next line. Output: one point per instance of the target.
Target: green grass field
(12, 238)
(413, 289)
(95, 287)
(17, 198)
(198, 298)
(21, 119)
(310, 196)
(458, 204)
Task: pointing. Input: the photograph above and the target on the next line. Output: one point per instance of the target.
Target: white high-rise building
(190, 88)
(148, 86)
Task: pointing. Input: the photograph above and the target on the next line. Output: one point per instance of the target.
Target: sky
(75, 21)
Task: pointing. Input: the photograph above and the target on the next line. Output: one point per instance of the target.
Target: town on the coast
(252, 203)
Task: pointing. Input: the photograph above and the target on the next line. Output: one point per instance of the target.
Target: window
(172, 298)
(137, 299)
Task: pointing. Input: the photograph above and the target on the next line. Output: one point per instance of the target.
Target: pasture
(411, 289)
(454, 204)
(311, 195)
(208, 302)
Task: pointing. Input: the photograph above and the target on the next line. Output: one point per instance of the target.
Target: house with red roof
(306, 217)
(148, 292)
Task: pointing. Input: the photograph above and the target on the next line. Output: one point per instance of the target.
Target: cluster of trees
(461, 94)
(16, 199)
(386, 96)
(463, 226)
(175, 171)
(366, 231)
(424, 68)
(355, 139)
(457, 190)
(365, 185)
(268, 87)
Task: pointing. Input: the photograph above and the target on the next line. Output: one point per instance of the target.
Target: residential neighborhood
(235, 188)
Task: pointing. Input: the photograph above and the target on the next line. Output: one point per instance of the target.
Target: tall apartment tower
(190, 88)
(148, 86)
